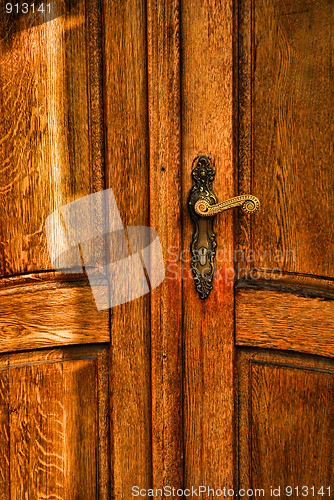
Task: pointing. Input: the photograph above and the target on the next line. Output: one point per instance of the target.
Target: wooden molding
(49, 314)
(280, 319)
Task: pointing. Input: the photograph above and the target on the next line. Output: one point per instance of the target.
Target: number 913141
(26, 8)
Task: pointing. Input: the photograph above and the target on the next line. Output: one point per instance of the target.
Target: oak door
(236, 391)
(54, 361)
(284, 312)
(169, 390)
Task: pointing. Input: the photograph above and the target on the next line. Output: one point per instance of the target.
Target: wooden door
(284, 311)
(236, 390)
(169, 390)
(54, 361)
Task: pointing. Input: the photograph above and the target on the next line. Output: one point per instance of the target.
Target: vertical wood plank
(81, 429)
(125, 56)
(207, 103)
(4, 436)
(103, 393)
(244, 120)
(165, 203)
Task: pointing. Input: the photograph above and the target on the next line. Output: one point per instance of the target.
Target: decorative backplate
(204, 240)
(204, 206)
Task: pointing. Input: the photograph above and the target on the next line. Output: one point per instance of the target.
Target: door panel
(286, 412)
(183, 59)
(51, 125)
(54, 424)
(54, 409)
(285, 134)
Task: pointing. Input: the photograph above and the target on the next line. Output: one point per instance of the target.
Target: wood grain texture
(279, 320)
(4, 435)
(207, 104)
(299, 285)
(52, 403)
(165, 217)
(276, 279)
(285, 133)
(50, 125)
(36, 431)
(285, 420)
(127, 173)
(81, 434)
(103, 424)
(47, 314)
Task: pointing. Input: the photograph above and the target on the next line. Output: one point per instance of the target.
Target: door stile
(126, 133)
(207, 128)
(164, 105)
(244, 120)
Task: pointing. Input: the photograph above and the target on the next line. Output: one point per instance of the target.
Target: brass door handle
(247, 202)
(204, 206)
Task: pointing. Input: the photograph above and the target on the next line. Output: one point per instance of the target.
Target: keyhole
(202, 252)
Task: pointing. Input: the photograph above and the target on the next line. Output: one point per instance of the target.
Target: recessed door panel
(54, 424)
(286, 414)
(51, 123)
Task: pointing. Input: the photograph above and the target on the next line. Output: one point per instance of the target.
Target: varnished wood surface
(285, 421)
(300, 284)
(127, 173)
(278, 319)
(50, 125)
(207, 98)
(286, 133)
(4, 433)
(50, 420)
(165, 216)
(13, 284)
(58, 157)
(47, 313)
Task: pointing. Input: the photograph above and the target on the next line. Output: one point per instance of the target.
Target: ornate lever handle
(247, 202)
(204, 206)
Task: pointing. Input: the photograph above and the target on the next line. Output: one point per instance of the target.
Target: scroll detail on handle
(247, 202)
(204, 206)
